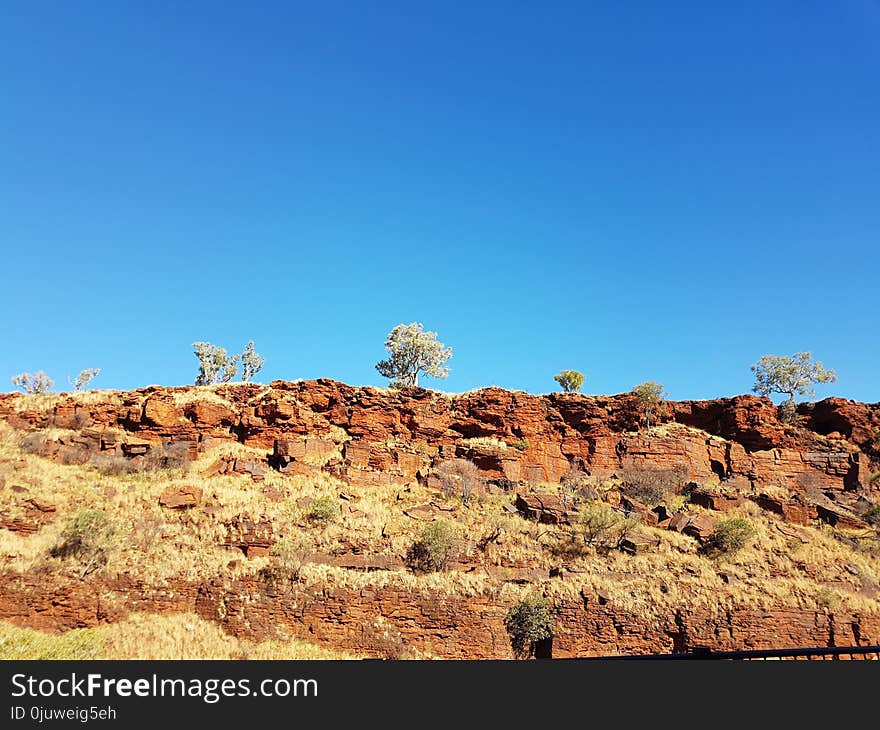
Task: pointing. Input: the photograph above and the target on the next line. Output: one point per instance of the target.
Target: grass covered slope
(321, 533)
(145, 636)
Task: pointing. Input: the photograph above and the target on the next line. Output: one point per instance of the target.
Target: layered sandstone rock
(728, 450)
(369, 436)
(460, 627)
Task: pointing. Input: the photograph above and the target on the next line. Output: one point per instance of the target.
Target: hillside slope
(214, 497)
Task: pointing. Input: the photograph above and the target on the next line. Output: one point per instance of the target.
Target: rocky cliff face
(453, 627)
(820, 470)
(385, 436)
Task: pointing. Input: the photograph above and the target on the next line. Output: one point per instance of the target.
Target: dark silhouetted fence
(823, 653)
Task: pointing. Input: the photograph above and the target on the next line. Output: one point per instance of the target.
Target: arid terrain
(274, 521)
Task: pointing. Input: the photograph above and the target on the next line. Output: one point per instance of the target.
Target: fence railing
(823, 653)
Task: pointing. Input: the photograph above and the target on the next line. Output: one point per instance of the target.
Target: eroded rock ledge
(826, 463)
(376, 436)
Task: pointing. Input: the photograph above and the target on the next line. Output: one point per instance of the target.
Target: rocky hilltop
(806, 482)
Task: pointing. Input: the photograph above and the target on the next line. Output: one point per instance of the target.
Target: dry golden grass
(215, 393)
(147, 636)
(47, 401)
(23, 644)
(181, 396)
(485, 442)
(159, 545)
(671, 428)
(202, 393)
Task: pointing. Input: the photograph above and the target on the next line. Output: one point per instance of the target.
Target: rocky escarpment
(376, 436)
(822, 469)
(449, 626)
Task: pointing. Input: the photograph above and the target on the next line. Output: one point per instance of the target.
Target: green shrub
(437, 545)
(88, 537)
(570, 380)
(323, 510)
(527, 623)
(518, 444)
(788, 412)
(732, 535)
(286, 559)
(603, 527)
(649, 397)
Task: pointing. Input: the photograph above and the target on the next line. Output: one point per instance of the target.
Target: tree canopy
(649, 396)
(413, 351)
(790, 375)
(570, 380)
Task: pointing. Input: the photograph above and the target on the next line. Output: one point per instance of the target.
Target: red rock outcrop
(544, 508)
(370, 436)
(31, 515)
(181, 497)
(732, 448)
(460, 627)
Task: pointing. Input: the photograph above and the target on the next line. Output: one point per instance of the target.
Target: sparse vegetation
(166, 547)
(323, 510)
(874, 446)
(84, 378)
(37, 383)
(86, 537)
(168, 456)
(872, 516)
(652, 486)
(413, 351)
(287, 558)
(578, 484)
(485, 442)
(458, 476)
(32, 443)
(146, 636)
(649, 396)
(527, 623)
(788, 411)
(827, 598)
(215, 365)
(28, 644)
(116, 464)
(570, 381)
(732, 535)
(386, 640)
(251, 362)
(436, 547)
(604, 528)
(789, 375)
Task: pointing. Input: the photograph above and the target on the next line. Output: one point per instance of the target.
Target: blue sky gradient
(660, 191)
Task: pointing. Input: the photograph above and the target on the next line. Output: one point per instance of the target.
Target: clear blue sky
(659, 191)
